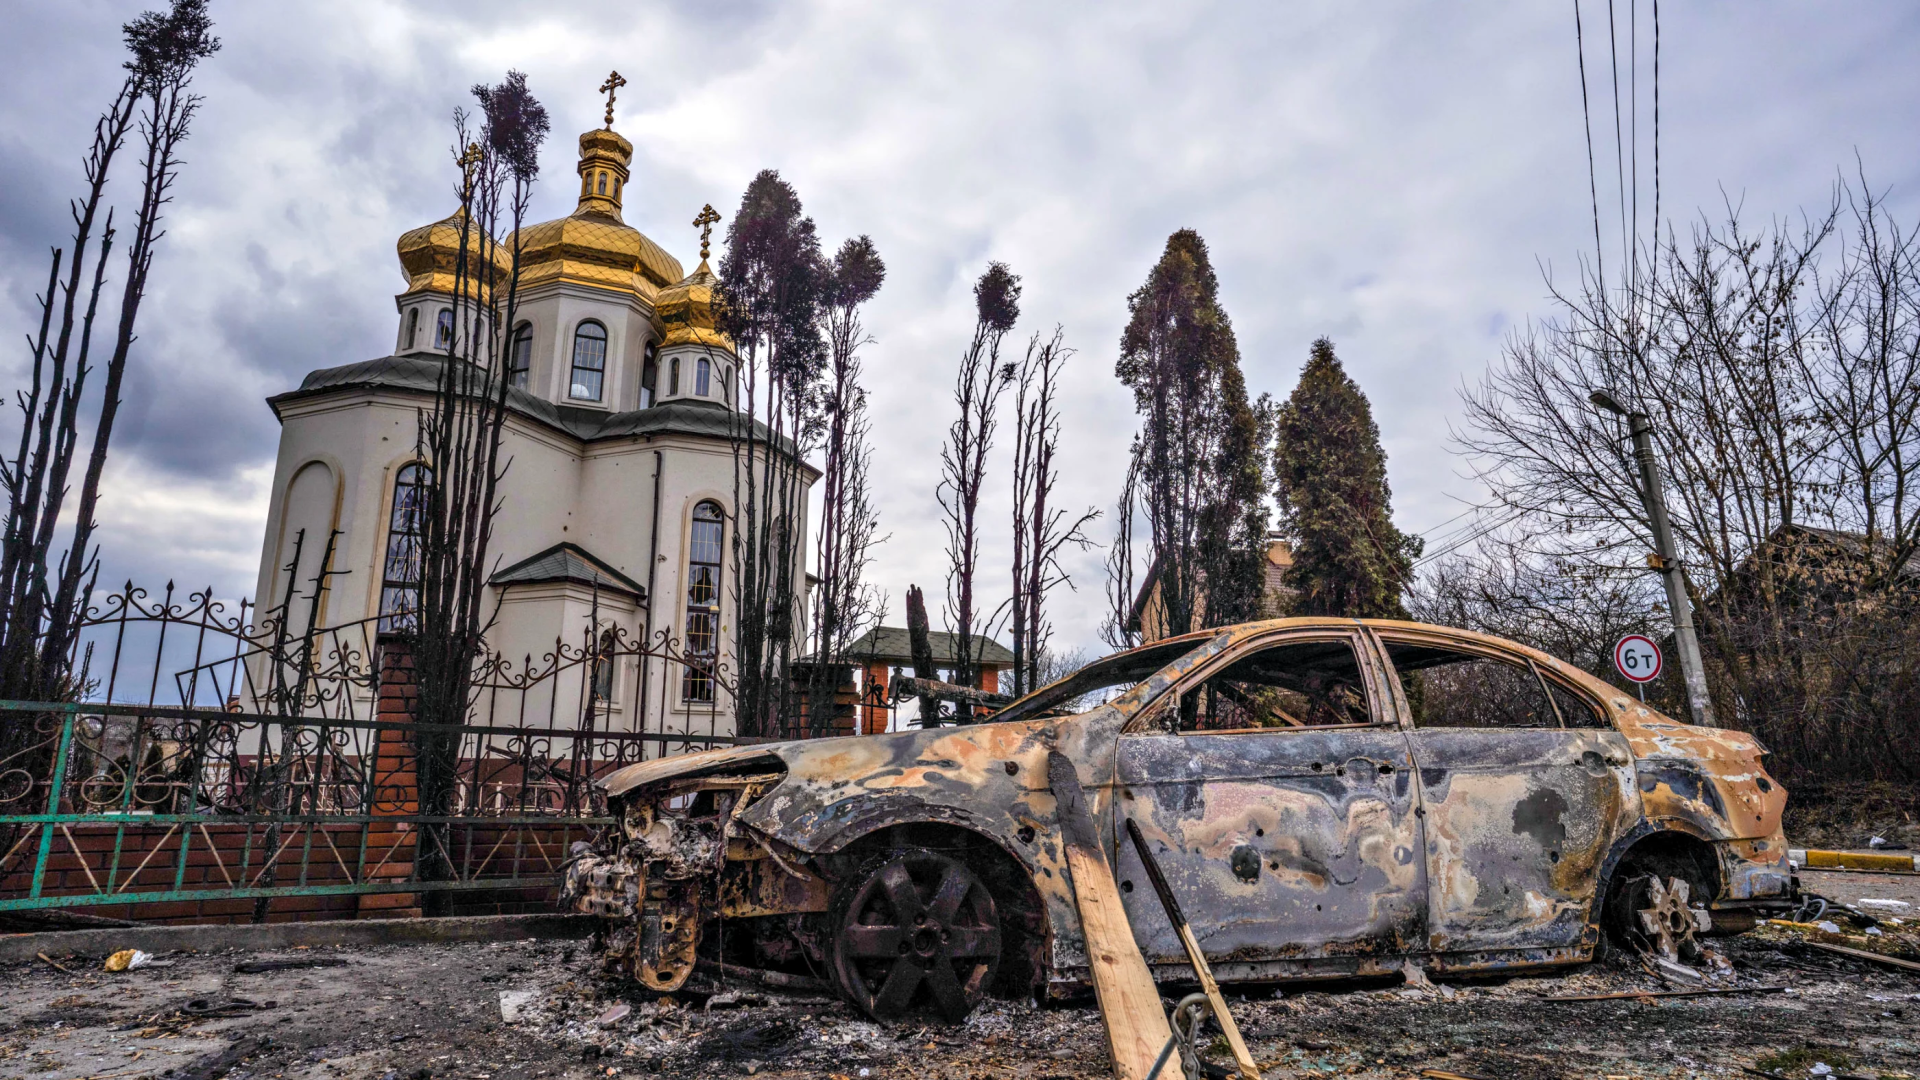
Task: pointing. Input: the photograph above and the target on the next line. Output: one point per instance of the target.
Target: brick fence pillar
(396, 786)
(874, 717)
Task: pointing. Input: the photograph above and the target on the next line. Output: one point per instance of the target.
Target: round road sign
(1638, 658)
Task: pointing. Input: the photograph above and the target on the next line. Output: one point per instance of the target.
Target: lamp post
(1664, 559)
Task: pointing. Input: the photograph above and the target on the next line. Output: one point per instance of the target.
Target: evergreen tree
(1331, 481)
(1197, 460)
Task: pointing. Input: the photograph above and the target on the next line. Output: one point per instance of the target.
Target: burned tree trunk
(845, 604)
(42, 605)
(977, 389)
(769, 298)
(1040, 531)
(459, 443)
(920, 644)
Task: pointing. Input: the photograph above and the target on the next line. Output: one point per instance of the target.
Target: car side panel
(1281, 844)
(1518, 824)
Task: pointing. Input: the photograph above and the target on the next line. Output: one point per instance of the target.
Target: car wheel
(915, 929)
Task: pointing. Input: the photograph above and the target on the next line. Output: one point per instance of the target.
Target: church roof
(419, 374)
(568, 562)
(592, 245)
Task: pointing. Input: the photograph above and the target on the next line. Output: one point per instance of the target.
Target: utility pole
(1665, 560)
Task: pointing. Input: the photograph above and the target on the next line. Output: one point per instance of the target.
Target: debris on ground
(128, 960)
(432, 1012)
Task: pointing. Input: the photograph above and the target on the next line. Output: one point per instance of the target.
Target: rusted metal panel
(1281, 844)
(669, 935)
(761, 886)
(1517, 826)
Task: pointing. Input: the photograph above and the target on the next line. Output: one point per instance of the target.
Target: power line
(1619, 147)
(1430, 533)
(1633, 134)
(1476, 534)
(1593, 183)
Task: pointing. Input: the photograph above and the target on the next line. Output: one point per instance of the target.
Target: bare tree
(1040, 530)
(1779, 367)
(772, 284)
(459, 440)
(977, 388)
(41, 604)
(846, 605)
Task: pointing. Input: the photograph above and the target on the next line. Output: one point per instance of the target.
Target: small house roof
(569, 562)
(890, 644)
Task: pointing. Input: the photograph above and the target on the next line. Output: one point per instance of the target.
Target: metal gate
(217, 768)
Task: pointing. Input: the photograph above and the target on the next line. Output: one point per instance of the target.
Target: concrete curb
(18, 948)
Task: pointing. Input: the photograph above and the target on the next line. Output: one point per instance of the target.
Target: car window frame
(1148, 720)
(1543, 673)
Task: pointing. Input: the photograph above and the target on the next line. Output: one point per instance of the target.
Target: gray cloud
(1394, 176)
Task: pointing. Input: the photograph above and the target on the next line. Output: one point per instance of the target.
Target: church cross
(613, 83)
(705, 223)
(468, 160)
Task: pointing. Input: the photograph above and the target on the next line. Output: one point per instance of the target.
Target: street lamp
(1665, 559)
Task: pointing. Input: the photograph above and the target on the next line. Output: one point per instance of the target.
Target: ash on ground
(435, 1012)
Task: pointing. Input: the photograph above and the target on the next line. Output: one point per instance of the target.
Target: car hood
(757, 757)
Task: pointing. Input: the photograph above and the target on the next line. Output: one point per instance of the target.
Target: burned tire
(915, 930)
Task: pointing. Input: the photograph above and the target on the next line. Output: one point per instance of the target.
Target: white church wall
(562, 309)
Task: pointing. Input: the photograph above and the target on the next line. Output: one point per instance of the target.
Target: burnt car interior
(1457, 689)
(1290, 685)
(1099, 681)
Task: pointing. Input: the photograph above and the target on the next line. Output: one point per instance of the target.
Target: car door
(1523, 790)
(1275, 792)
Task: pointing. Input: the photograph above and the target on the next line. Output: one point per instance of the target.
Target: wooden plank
(1862, 954)
(1129, 1002)
(1242, 1057)
(1855, 860)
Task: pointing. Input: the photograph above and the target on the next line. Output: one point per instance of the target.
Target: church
(616, 503)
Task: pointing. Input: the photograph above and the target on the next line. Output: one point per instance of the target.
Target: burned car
(1328, 798)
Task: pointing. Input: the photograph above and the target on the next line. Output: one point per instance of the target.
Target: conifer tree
(1197, 470)
(1331, 485)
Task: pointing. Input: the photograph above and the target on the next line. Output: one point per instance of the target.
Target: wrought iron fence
(216, 761)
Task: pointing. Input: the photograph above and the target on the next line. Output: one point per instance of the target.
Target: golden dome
(430, 253)
(592, 246)
(686, 309)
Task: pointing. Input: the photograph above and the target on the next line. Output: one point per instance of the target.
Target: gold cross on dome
(705, 222)
(613, 83)
(468, 160)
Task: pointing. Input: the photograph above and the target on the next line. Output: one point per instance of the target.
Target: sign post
(1638, 660)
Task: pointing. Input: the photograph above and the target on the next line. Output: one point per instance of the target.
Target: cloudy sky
(1397, 176)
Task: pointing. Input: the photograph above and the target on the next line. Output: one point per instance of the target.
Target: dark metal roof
(419, 373)
(569, 562)
(889, 644)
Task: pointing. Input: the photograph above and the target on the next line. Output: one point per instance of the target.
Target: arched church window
(649, 372)
(673, 377)
(520, 356)
(704, 548)
(400, 570)
(600, 186)
(443, 329)
(413, 329)
(702, 377)
(589, 361)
